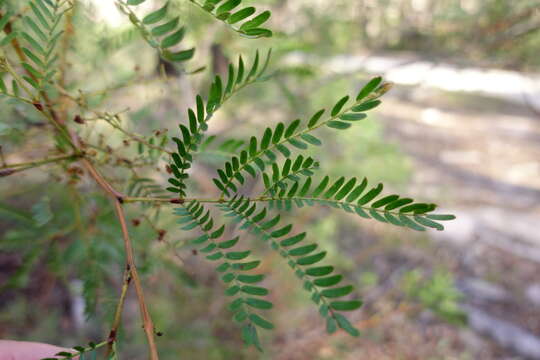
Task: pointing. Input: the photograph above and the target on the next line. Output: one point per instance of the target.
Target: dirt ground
(480, 156)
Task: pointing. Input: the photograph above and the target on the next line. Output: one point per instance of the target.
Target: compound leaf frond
(159, 31)
(301, 256)
(355, 196)
(244, 287)
(283, 139)
(198, 118)
(243, 21)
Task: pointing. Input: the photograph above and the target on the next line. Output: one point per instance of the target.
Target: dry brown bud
(78, 119)
(161, 234)
(384, 88)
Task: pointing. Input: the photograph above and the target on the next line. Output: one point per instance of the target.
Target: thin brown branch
(111, 119)
(36, 163)
(137, 138)
(10, 169)
(118, 200)
(147, 320)
(130, 199)
(131, 270)
(118, 313)
(101, 180)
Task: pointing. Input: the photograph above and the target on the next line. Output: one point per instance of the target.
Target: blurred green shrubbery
(436, 292)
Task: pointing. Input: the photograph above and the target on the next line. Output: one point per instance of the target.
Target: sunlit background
(460, 128)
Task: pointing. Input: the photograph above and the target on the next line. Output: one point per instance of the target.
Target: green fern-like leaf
(244, 287)
(351, 196)
(6, 17)
(82, 353)
(193, 132)
(302, 257)
(283, 138)
(160, 31)
(242, 20)
(40, 37)
(290, 172)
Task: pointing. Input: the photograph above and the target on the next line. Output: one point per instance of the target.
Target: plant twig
(118, 199)
(110, 119)
(134, 137)
(118, 313)
(129, 199)
(36, 163)
(147, 320)
(101, 181)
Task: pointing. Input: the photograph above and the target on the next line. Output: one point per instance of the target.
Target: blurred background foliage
(61, 257)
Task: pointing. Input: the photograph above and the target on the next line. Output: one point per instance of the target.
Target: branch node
(112, 336)
(38, 106)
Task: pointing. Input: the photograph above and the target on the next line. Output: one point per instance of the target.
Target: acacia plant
(35, 41)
